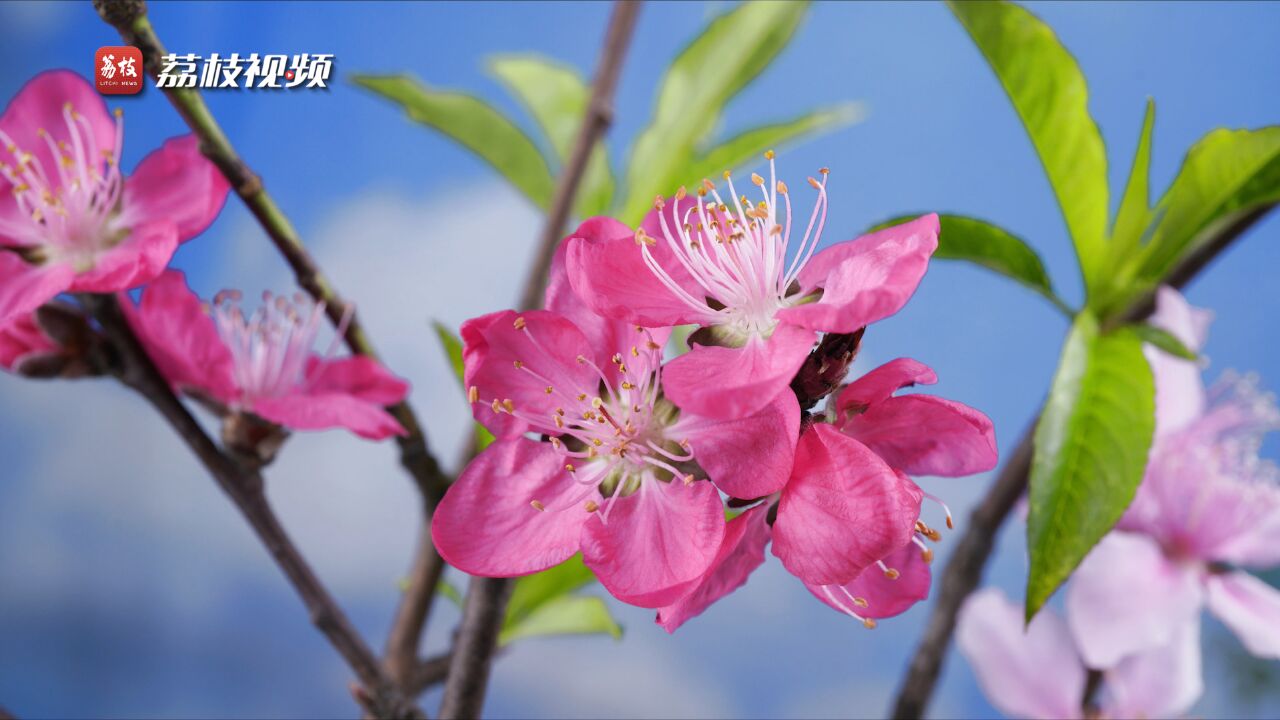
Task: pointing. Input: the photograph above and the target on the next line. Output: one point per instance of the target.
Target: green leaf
(1135, 214)
(982, 243)
(446, 588)
(565, 615)
(1163, 339)
(557, 98)
(542, 604)
(1049, 92)
(748, 146)
(710, 71)
(1090, 451)
(453, 352)
(1226, 174)
(476, 126)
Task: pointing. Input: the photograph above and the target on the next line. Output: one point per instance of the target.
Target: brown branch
(969, 559)
(405, 637)
(825, 368)
(429, 672)
(486, 601)
(245, 486)
(6, 715)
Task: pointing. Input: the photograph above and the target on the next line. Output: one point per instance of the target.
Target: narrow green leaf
(1135, 214)
(1163, 339)
(992, 247)
(1049, 92)
(710, 71)
(476, 126)
(565, 615)
(1226, 174)
(1090, 451)
(533, 591)
(446, 588)
(453, 352)
(557, 98)
(749, 146)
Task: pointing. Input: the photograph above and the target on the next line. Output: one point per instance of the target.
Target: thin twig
(130, 20)
(964, 570)
(429, 672)
(245, 487)
(486, 600)
(405, 637)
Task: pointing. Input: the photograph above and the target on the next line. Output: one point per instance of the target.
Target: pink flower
(1206, 508)
(730, 267)
(22, 340)
(1036, 671)
(263, 363)
(625, 476)
(69, 219)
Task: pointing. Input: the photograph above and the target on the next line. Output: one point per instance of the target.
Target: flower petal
(1126, 597)
(176, 184)
(609, 273)
(138, 259)
(324, 411)
(867, 279)
(504, 362)
(25, 287)
(358, 376)
(741, 552)
(884, 596)
(880, 384)
(181, 338)
(1180, 396)
(657, 543)
(925, 435)
(747, 458)
(607, 335)
(1161, 682)
(842, 510)
(486, 524)
(39, 106)
(727, 383)
(1250, 607)
(21, 338)
(1029, 671)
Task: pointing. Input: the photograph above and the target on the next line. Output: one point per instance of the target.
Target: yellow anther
(708, 185)
(473, 394)
(517, 364)
(725, 174)
(652, 345)
(508, 405)
(892, 573)
(860, 602)
(868, 623)
(118, 112)
(627, 385)
(519, 323)
(581, 361)
(768, 155)
(549, 390)
(635, 352)
(927, 555)
(560, 411)
(597, 403)
(569, 467)
(591, 506)
(814, 183)
(825, 171)
(642, 238)
(559, 422)
(757, 179)
(782, 187)
(497, 407)
(597, 442)
(537, 505)
(582, 396)
(688, 479)
(682, 193)
(659, 203)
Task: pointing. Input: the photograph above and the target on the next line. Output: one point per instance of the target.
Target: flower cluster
(607, 448)
(72, 222)
(1207, 507)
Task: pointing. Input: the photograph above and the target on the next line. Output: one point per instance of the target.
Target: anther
(497, 406)
(519, 323)
(550, 389)
(869, 624)
(926, 555)
(473, 394)
(537, 505)
(518, 365)
(591, 506)
(825, 171)
(814, 183)
(659, 203)
(688, 479)
(597, 403)
(768, 155)
(756, 179)
(508, 405)
(569, 467)
(860, 602)
(681, 194)
(892, 573)
(726, 174)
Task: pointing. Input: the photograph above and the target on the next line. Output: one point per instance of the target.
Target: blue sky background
(128, 585)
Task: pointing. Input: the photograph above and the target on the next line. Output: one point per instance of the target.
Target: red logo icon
(117, 70)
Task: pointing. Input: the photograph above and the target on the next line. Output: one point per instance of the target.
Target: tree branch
(486, 601)
(964, 570)
(245, 487)
(6, 715)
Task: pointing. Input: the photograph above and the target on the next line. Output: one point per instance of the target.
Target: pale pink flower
(263, 363)
(70, 221)
(1207, 507)
(1035, 671)
(624, 476)
(21, 339)
(731, 267)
